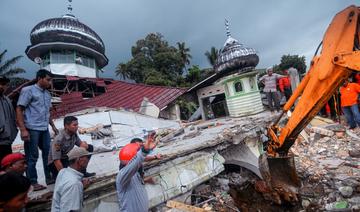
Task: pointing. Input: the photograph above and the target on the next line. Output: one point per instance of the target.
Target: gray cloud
(273, 27)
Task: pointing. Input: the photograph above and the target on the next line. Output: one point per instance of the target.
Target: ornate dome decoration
(234, 57)
(66, 33)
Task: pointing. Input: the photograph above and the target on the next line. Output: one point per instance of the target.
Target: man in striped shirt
(270, 81)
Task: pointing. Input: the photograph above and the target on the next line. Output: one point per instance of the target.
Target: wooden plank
(183, 206)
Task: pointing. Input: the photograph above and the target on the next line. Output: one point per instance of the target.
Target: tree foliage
(212, 55)
(194, 74)
(7, 66)
(184, 53)
(155, 62)
(288, 61)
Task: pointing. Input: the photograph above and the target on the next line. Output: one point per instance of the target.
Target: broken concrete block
(346, 191)
(354, 153)
(305, 203)
(322, 131)
(352, 135)
(192, 134)
(171, 135)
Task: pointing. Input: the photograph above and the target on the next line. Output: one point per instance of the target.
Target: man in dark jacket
(8, 130)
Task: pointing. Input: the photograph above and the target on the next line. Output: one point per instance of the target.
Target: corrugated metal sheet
(246, 104)
(122, 94)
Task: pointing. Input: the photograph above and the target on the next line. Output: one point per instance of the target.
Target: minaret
(236, 65)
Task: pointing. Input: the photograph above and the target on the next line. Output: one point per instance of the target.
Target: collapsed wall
(192, 154)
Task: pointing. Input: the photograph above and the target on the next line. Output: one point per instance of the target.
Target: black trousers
(53, 170)
(4, 150)
(272, 96)
(288, 93)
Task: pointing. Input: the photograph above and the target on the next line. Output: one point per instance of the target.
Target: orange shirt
(349, 94)
(284, 82)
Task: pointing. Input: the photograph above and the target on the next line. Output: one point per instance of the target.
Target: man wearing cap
(33, 119)
(63, 143)
(69, 185)
(130, 187)
(8, 130)
(14, 162)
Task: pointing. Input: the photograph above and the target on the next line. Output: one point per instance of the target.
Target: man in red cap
(14, 162)
(130, 186)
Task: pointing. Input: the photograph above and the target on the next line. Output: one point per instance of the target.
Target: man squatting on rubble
(33, 119)
(130, 186)
(69, 185)
(270, 89)
(63, 143)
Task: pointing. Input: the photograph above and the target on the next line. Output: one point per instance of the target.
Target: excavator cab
(338, 58)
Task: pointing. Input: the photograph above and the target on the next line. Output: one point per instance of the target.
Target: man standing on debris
(8, 129)
(285, 85)
(270, 82)
(33, 118)
(130, 187)
(69, 185)
(349, 96)
(63, 143)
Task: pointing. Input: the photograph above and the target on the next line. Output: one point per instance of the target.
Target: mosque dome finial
(234, 57)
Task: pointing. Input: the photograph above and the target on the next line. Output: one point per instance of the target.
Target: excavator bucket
(279, 174)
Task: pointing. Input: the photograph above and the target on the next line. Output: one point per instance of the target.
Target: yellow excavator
(338, 58)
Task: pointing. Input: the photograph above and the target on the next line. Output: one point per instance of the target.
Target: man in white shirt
(270, 89)
(69, 187)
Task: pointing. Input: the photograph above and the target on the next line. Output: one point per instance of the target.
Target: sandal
(38, 187)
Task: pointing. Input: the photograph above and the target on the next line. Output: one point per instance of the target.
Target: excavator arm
(338, 58)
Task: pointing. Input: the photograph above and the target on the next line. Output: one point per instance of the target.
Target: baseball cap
(78, 152)
(11, 158)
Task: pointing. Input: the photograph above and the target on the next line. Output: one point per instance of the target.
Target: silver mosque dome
(66, 32)
(235, 57)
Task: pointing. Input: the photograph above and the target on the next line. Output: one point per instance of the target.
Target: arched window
(238, 87)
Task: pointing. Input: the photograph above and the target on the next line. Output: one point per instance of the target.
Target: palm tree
(212, 55)
(184, 53)
(122, 70)
(6, 67)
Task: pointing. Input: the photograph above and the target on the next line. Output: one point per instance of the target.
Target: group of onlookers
(274, 82)
(349, 95)
(32, 117)
(63, 163)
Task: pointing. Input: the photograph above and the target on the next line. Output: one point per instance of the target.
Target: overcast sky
(272, 27)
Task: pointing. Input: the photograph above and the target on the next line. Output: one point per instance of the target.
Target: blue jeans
(352, 115)
(41, 140)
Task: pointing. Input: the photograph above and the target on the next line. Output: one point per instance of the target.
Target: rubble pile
(330, 175)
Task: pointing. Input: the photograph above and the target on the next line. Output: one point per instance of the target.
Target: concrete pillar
(177, 112)
(201, 105)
